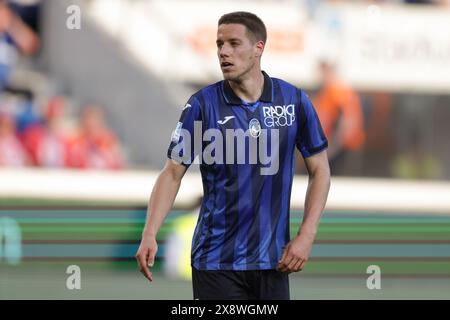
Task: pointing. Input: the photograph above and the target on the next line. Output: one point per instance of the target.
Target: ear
(259, 46)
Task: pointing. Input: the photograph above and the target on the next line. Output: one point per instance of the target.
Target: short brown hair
(255, 26)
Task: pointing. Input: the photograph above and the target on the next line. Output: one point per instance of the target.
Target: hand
(145, 256)
(296, 254)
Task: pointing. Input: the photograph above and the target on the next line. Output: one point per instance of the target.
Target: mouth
(226, 65)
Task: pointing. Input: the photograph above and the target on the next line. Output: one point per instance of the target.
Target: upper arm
(175, 170)
(310, 138)
(182, 145)
(318, 163)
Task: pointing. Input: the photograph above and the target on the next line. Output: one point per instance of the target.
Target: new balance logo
(225, 120)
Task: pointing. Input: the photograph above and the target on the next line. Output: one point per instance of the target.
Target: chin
(230, 76)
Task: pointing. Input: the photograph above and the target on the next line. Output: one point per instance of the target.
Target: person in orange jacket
(340, 112)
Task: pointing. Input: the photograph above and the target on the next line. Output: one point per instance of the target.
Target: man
(341, 115)
(241, 247)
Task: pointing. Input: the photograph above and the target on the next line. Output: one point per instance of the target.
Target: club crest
(255, 128)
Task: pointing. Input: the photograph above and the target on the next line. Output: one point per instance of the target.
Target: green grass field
(412, 251)
(41, 281)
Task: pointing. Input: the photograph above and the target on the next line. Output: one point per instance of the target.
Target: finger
(291, 265)
(150, 263)
(298, 265)
(151, 258)
(281, 263)
(141, 258)
(302, 266)
(143, 266)
(283, 266)
(283, 256)
(146, 272)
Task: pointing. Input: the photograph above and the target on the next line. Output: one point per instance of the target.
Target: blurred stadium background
(86, 116)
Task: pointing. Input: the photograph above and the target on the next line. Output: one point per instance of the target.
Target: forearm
(160, 203)
(316, 198)
(297, 251)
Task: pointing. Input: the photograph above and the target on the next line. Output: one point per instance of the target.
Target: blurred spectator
(95, 146)
(29, 11)
(15, 38)
(11, 151)
(26, 116)
(47, 143)
(340, 112)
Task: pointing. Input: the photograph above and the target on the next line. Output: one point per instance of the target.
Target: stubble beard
(238, 78)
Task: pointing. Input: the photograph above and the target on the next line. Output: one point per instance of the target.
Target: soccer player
(241, 246)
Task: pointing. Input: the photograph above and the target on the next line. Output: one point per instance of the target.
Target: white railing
(135, 186)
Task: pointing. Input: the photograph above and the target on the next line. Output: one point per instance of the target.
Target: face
(326, 73)
(92, 120)
(238, 54)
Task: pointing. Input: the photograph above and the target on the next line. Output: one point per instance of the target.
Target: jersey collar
(232, 98)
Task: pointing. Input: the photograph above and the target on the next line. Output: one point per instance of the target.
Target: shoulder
(287, 87)
(303, 101)
(208, 92)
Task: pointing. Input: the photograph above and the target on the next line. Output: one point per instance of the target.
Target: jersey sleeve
(182, 147)
(310, 136)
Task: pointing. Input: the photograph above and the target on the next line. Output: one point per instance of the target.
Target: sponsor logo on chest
(279, 116)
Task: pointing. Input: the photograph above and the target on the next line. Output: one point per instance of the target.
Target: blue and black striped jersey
(246, 157)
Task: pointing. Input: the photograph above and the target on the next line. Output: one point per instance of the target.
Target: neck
(249, 88)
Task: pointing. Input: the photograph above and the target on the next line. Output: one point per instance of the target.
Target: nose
(224, 51)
